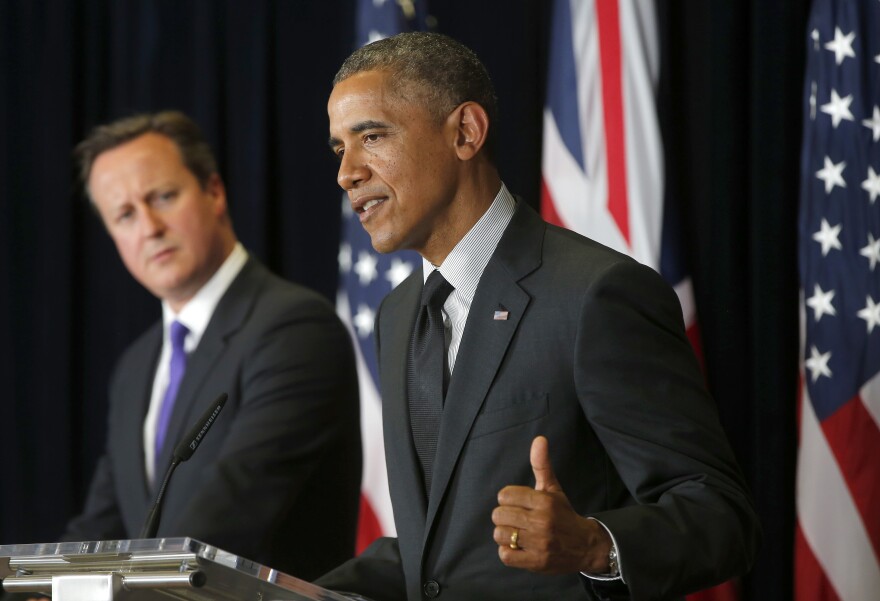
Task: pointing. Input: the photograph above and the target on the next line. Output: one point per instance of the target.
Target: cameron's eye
(124, 216)
(161, 199)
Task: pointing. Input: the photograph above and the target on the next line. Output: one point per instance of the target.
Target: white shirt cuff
(606, 577)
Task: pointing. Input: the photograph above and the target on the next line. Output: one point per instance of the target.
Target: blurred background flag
(837, 538)
(602, 163)
(365, 277)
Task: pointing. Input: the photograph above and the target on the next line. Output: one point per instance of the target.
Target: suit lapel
(136, 405)
(229, 315)
(403, 465)
(484, 343)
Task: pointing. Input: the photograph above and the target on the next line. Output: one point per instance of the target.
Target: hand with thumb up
(538, 530)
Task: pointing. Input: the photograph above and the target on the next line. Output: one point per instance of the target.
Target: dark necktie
(176, 369)
(427, 374)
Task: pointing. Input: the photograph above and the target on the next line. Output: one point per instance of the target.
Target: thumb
(545, 479)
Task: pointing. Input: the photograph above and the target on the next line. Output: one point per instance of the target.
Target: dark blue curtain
(256, 76)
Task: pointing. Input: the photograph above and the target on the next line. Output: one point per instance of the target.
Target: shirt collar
(196, 314)
(465, 264)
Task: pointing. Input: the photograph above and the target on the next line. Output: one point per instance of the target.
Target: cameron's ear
(472, 129)
(217, 191)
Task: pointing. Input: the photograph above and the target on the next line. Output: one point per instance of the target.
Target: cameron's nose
(151, 223)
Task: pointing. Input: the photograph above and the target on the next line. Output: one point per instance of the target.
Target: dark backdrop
(256, 76)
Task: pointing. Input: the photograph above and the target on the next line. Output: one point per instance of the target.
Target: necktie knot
(178, 333)
(436, 290)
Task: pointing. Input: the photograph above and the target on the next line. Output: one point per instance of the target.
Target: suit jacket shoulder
(281, 460)
(592, 355)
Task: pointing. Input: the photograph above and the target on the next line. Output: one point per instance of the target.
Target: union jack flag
(603, 164)
(837, 539)
(603, 156)
(365, 277)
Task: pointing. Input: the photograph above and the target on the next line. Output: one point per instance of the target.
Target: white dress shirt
(195, 315)
(465, 264)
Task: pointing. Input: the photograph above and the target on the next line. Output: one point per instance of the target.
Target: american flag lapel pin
(501, 314)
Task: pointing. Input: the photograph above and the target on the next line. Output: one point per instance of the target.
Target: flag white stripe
(685, 291)
(870, 394)
(581, 199)
(580, 202)
(828, 516)
(591, 108)
(640, 53)
(374, 482)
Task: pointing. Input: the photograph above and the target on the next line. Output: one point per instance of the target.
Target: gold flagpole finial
(408, 8)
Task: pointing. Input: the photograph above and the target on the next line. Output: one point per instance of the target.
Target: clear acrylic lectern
(162, 568)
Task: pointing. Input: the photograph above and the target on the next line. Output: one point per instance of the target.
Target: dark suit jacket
(277, 478)
(594, 357)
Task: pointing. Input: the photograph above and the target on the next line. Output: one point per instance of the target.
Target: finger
(545, 479)
(518, 496)
(516, 558)
(503, 536)
(505, 515)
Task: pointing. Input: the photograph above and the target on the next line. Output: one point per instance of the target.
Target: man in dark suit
(560, 444)
(283, 459)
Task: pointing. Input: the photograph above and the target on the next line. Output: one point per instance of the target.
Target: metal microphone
(183, 451)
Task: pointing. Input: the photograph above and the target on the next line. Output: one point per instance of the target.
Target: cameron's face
(397, 163)
(171, 234)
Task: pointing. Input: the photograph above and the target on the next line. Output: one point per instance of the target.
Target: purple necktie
(175, 375)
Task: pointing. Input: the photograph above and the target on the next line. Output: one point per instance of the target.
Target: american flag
(837, 540)
(603, 164)
(365, 277)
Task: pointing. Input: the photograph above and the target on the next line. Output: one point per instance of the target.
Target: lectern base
(139, 570)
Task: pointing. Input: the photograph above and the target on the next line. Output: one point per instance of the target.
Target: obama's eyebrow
(357, 128)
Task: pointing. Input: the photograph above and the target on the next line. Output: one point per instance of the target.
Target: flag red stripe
(810, 581)
(369, 528)
(854, 439)
(693, 335)
(726, 591)
(607, 16)
(732, 589)
(548, 208)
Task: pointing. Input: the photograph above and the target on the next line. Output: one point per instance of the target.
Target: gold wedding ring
(514, 537)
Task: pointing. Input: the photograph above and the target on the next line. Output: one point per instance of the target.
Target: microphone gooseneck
(183, 451)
